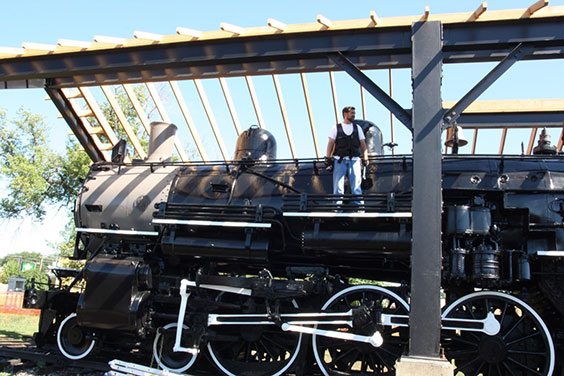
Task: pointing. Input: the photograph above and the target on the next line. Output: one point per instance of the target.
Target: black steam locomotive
(255, 267)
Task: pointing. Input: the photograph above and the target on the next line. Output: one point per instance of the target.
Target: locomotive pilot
(347, 153)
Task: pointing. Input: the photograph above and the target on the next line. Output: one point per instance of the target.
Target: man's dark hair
(347, 109)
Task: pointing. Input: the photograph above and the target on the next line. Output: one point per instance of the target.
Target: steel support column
(425, 311)
(75, 124)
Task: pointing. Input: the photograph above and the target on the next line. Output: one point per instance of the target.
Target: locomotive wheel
(164, 355)
(254, 350)
(523, 345)
(337, 356)
(73, 342)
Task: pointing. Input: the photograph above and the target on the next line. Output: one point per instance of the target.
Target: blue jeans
(352, 169)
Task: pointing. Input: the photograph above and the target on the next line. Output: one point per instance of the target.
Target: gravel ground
(24, 370)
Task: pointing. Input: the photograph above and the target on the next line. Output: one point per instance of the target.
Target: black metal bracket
(514, 56)
(399, 112)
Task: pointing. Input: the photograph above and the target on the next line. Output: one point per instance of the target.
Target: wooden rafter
(211, 118)
(391, 92)
(124, 122)
(537, 10)
(532, 141)
(334, 93)
(99, 115)
(164, 115)
(474, 139)
(362, 102)
(230, 105)
(478, 12)
(284, 114)
(72, 96)
(189, 121)
(310, 115)
(137, 107)
(254, 99)
(502, 142)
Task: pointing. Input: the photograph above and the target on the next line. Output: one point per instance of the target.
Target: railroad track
(23, 356)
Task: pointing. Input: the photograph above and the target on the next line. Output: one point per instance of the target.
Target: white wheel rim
(290, 362)
(156, 352)
(60, 344)
(518, 301)
(337, 296)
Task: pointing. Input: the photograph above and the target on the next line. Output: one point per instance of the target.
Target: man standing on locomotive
(344, 150)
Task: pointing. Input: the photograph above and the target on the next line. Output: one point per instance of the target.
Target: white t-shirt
(347, 129)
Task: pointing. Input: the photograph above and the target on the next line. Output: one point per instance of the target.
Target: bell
(545, 146)
(450, 137)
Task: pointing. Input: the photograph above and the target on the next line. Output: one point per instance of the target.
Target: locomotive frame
(520, 37)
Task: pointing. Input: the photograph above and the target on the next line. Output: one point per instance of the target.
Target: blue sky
(49, 20)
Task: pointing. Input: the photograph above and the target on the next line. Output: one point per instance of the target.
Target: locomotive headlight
(144, 277)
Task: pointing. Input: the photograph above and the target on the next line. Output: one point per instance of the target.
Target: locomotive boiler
(252, 266)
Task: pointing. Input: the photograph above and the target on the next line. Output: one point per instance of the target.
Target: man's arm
(364, 150)
(330, 147)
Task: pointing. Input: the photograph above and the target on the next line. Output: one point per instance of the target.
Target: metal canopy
(355, 46)
(367, 48)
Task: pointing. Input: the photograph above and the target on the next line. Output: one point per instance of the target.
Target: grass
(17, 326)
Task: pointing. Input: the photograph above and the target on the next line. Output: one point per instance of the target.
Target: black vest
(347, 146)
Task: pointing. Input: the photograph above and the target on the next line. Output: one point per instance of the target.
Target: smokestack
(161, 141)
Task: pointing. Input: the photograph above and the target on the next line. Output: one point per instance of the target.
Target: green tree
(11, 266)
(38, 177)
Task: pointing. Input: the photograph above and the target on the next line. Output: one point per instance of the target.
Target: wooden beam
(109, 40)
(11, 51)
(189, 121)
(162, 111)
(230, 104)
(502, 143)
(237, 30)
(310, 115)
(474, 139)
(74, 43)
(478, 12)
(94, 131)
(374, 18)
(334, 93)
(426, 13)
(362, 102)
(188, 32)
(137, 107)
(211, 118)
(124, 122)
(391, 91)
(99, 115)
(536, 7)
(277, 25)
(516, 105)
(532, 141)
(104, 42)
(254, 99)
(147, 36)
(324, 21)
(284, 114)
(39, 46)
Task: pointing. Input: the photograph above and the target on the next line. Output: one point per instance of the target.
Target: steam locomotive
(254, 267)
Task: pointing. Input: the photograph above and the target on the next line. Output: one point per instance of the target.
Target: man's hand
(328, 161)
(364, 162)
